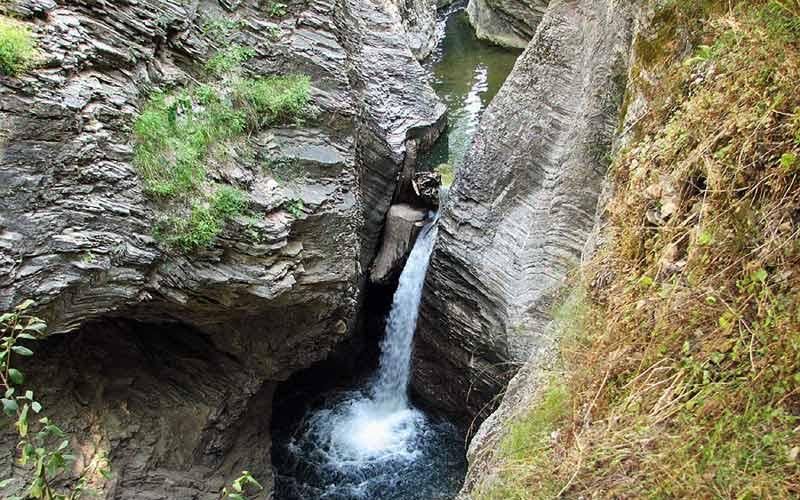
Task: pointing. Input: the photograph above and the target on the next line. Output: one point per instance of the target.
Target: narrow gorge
(399, 249)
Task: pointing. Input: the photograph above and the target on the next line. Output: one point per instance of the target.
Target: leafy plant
(220, 29)
(17, 47)
(295, 207)
(277, 9)
(274, 33)
(44, 449)
(241, 487)
(174, 134)
(205, 220)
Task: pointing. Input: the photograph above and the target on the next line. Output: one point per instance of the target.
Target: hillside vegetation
(681, 343)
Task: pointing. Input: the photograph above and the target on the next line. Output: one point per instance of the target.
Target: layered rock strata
(521, 209)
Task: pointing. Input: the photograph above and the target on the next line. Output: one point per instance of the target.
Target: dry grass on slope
(684, 381)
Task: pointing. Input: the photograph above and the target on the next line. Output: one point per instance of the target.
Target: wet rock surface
(276, 292)
(511, 23)
(521, 209)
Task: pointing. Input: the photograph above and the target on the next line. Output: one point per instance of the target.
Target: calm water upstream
(368, 441)
(466, 74)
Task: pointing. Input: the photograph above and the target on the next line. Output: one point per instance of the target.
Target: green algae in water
(467, 74)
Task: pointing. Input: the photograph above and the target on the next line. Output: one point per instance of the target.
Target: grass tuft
(17, 47)
(174, 134)
(228, 59)
(176, 131)
(200, 227)
(274, 100)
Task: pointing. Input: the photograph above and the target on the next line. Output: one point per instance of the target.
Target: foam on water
(366, 443)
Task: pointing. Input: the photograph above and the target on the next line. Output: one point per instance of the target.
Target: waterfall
(362, 443)
(390, 388)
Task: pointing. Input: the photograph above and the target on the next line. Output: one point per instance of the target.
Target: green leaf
(788, 161)
(22, 422)
(24, 305)
(15, 376)
(10, 406)
(26, 336)
(36, 407)
(29, 395)
(39, 327)
(22, 350)
(646, 281)
(37, 488)
(759, 276)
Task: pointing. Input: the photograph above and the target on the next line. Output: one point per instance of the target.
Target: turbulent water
(371, 443)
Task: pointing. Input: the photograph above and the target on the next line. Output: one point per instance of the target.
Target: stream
(371, 442)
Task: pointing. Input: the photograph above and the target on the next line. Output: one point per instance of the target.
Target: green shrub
(220, 29)
(228, 202)
(277, 9)
(295, 207)
(196, 231)
(274, 100)
(17, 47)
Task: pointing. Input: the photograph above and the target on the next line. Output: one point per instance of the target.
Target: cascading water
(371, 443)
(391, 387)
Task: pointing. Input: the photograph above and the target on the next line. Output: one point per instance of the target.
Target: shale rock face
(521, 208)
(511, 23)
(419, 19)
(280, 287)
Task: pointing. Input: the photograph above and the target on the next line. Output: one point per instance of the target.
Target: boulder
(511, 23)
(403, 224)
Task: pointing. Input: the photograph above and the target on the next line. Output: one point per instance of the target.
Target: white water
(381, 424)
(365, 441)
(390, 389)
